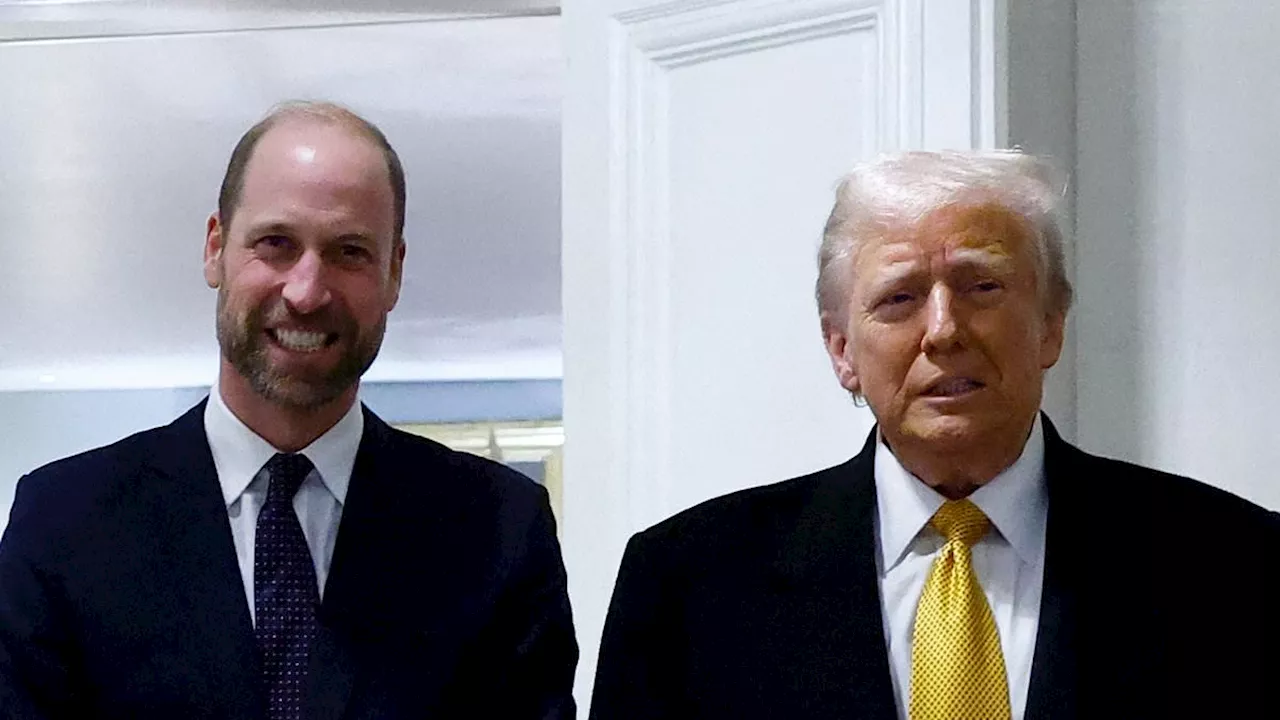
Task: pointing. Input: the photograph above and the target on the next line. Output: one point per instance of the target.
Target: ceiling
(112, 149)
(48, 19)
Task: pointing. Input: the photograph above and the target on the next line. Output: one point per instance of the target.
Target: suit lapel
(1099, 647)
(195, 533)
(395, 532)
(832, 556)
(1052, 692)
(333, 666)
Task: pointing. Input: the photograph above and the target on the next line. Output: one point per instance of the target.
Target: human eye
(895, 304)
(356, 252)
(272, 246)
(353, 253)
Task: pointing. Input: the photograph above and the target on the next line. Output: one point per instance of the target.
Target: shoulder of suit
(62, 497)
(120, 458)
(1168, 497)
(435, 458)
(741, 515)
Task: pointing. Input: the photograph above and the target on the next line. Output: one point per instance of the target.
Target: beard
(244, 342)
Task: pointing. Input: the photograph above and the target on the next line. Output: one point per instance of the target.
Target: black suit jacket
(1160, 600)
(120, 596)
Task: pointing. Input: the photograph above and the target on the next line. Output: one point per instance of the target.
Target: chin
(299, 393)
(946, 431)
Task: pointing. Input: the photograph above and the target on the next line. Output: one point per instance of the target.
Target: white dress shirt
(240, 454)
(1009, 559)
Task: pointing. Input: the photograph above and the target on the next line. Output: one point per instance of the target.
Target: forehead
(953, 235)
(319, 163)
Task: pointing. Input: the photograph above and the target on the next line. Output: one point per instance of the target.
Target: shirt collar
(1015, 501)
(239, 453)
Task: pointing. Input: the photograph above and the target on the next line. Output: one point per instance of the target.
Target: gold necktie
(957, 669)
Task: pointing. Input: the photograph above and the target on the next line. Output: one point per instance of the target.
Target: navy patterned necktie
(285, 593)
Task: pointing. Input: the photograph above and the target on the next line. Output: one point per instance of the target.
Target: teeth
(300, 340)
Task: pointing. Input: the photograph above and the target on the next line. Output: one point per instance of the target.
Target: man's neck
(957, 473)
(288, 429)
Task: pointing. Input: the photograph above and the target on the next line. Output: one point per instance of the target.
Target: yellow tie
(957, 669)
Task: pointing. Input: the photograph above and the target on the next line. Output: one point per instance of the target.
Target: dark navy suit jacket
(1160, 601)
(120, 596)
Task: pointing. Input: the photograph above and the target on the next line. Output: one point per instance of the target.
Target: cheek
(1014, 342)
(390, 296)
(249, 283)
(365, 300)
(892, 348)
(885, 359)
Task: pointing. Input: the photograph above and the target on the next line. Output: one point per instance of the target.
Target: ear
(213, 245)
(840, 350)
(397, 275)
(1055, 328)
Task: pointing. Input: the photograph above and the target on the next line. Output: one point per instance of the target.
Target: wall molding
(925, 75)
(680, 33)
(646, 46)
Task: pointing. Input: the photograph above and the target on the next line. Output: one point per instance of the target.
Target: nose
(305, 290)
(944, 329)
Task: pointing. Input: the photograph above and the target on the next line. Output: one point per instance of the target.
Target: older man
(279, 551)
(967, 564)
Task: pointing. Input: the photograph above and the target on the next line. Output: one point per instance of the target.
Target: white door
(702, 143)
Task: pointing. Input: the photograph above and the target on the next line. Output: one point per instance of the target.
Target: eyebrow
(277, 227)
(982, 258)
(888, 275)
(282, 227)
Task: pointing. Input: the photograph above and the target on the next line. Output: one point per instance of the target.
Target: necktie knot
(960, 521)
(286, 472)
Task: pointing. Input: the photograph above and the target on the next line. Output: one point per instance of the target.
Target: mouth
(302, 341)
(953, 387)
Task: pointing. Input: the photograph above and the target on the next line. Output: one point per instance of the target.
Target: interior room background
(614, 206)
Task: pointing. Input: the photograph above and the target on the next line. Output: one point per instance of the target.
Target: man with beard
(279, 551)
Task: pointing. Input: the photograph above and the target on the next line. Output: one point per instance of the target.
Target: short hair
(902, 188)
(318, 111)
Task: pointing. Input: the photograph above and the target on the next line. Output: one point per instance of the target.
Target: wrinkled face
(309, 267)
(945, 333)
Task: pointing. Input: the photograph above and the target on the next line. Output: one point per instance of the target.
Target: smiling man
(968, 563)
(279, 551)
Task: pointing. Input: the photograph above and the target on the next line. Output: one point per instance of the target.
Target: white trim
(909, 78)
(644, 46)
(991, 73)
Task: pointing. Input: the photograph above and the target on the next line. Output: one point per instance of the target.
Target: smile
(304, 341)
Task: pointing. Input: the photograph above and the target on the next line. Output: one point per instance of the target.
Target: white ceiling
(45, 19)
(111, 152)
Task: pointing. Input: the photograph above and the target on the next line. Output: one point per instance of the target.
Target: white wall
(1178, 320)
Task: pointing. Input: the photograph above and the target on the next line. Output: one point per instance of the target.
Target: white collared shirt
(240, 454)
(1009, 559)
